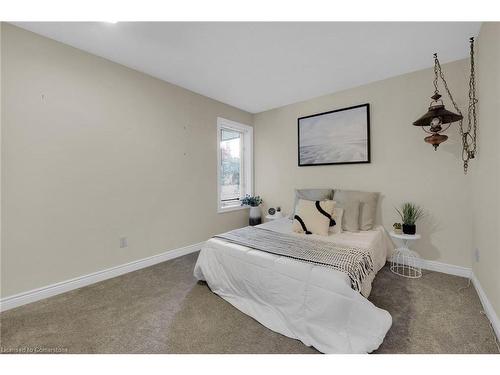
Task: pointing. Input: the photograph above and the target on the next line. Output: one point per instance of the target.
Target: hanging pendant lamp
(437, 119)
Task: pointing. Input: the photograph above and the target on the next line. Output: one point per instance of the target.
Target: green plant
(410, 213)
(251, 201)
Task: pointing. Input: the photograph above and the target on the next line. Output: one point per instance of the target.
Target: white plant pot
(255, 216)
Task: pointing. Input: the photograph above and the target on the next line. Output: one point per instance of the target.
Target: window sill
(231, 208)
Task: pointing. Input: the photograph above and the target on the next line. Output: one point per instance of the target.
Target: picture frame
(340, 136)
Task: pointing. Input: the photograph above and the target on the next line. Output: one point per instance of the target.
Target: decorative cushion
(367, 205)
(311, 195)
(350, 217)
(337, 217)
(313, 217)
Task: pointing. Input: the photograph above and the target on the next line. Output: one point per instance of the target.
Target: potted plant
(253, 202)
(410, 213)
(397, 228)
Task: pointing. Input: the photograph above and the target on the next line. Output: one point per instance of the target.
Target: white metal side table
(406, 262)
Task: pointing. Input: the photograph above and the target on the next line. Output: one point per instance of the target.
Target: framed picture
(341, 136)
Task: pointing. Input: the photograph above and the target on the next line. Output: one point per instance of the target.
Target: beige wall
(93, 151)
(403, 168)
(485, 171)
(1, 173)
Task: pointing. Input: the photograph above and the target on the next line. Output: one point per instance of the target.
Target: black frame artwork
(305, 160)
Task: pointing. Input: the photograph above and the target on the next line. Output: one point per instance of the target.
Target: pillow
(311, 195)
(313, 217)
(337, 217)
(367, 205)
(350, 217)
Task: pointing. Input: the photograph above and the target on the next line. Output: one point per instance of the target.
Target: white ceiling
(258, 66)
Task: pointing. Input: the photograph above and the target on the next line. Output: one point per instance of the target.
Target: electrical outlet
(123, 242)
(476, 254)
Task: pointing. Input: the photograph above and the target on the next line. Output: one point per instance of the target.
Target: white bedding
(312, 303)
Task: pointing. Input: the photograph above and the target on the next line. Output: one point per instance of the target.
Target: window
(234, 163)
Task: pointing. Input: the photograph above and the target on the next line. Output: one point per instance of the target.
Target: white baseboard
(449, 269)
(488, 308)
(20, 299)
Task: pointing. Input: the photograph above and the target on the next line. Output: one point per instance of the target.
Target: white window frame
(247, 164)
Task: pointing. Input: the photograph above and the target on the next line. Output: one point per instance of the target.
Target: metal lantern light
(437, 119)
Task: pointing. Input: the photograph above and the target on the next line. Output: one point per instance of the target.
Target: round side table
(275, 216)
(406, 262)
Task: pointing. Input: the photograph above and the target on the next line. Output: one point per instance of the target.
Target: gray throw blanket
(356, 263)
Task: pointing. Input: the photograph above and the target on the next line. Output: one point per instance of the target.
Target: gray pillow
(367, 205)
(350, 218)
(311, 195)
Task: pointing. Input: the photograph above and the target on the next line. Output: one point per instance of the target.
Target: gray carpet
(162, 309)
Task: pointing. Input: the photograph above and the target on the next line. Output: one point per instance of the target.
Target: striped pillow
(313, 217)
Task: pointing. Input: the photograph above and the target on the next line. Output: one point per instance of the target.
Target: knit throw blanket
(356, 263)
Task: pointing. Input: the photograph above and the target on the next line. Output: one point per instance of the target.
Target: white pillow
(311, 195)
(313, 217)
(337, 216)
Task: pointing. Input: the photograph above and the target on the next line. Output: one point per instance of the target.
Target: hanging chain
(469, 144)
(471, 113)
(437, 69)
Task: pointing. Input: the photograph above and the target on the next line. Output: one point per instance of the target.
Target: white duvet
(311, 303)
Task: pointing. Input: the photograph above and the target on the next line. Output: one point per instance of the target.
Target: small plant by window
(252, 201)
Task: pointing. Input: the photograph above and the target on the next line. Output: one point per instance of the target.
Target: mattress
(312, 303)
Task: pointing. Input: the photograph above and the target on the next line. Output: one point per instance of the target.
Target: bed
(309, 302)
